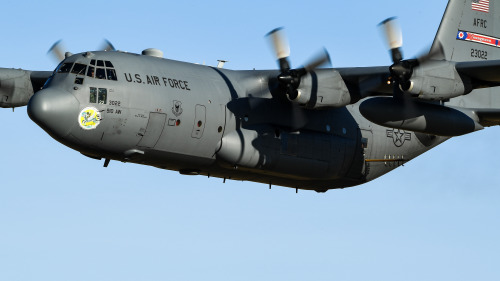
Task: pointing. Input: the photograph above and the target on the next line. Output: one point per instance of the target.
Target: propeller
(402, 70)
(58, 51)
(107, 46)
(290, 78)
(394, 38)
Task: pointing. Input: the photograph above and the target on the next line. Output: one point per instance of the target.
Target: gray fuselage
(197, 119)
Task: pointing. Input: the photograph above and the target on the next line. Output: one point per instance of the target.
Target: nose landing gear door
(154, 129)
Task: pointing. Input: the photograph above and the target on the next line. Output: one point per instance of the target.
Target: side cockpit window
(47, 83)
(79, 68)
(65, 68)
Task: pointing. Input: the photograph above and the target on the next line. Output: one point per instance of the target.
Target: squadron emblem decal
(399, 137)
(89, 118)
(177, 108)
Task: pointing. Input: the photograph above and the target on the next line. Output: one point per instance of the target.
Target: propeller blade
(107, 46)
(320, 59)
(279, 42)
(394, 37)
(432, 54)
(281, 47)
(57, 51)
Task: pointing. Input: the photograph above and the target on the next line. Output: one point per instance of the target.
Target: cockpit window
(111, 74)
(65, 68)
(105, 71)
(90, 71)
(79, 69)
(47, 83)
(100, 73)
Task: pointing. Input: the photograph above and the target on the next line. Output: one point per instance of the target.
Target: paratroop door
(156, 124)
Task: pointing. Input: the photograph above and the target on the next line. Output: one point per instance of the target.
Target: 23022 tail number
(480, 54)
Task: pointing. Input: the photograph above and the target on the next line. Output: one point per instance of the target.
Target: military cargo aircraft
(309, 128)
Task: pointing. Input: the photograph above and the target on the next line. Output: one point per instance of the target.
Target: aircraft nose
(56, 111)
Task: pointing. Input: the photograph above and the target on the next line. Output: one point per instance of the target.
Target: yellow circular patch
(89, 118)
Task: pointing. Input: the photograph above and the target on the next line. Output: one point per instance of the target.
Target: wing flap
(488, 117)
(481, 71)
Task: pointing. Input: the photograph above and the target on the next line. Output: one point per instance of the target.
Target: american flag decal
(481, 5)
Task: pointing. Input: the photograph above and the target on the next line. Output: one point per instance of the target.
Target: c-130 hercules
(305, 128)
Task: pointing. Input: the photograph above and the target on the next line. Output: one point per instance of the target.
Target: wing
(367, 81)
(482, 72)
(17, 86)
(488, 116)
(375, 81)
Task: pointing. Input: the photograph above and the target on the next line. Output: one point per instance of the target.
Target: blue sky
(64, 217)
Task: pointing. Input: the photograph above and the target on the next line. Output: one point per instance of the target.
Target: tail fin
(469, 31)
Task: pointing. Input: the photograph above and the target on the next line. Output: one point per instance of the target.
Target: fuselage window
(100, 73)
(93, 95)
(111, 74)
(79, 69)
(79, 80)
(103, 96)
(65, 68)
(90, 71)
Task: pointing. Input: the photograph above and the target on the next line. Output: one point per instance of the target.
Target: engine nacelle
(438, 81)
(16, 88)
(322, 88)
